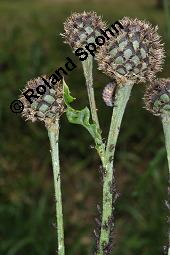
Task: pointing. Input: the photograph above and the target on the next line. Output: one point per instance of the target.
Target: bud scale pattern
(46, 107)
(157, 97)
(135, 54)
(82, 28)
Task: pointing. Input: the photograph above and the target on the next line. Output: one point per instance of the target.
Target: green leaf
(67, 96)
(81, 117)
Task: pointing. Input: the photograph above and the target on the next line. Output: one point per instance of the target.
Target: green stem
(109, 193)
(88, 74)
(166, 127)
(53, 132)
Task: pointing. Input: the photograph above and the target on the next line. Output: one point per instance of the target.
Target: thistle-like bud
(82, 28)
(136, 54)
(157, 97)
(46, 106)
(108, 93)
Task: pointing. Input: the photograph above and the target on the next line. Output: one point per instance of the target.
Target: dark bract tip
(42, 100)
(157, 97)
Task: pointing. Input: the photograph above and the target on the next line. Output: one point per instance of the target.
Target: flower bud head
(82, 28)
(157, 97)
(135, 54)
(108, 93)
(48, 106)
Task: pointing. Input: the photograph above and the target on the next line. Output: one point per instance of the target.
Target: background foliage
(30, 45)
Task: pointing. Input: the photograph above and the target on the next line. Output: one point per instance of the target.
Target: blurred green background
(30, 45)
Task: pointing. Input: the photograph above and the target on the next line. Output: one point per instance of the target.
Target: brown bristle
(108, 93)
(157, 97)
(136, 54)
(46, 107)
(82, 28)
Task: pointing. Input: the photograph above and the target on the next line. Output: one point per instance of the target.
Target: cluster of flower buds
(135, 54)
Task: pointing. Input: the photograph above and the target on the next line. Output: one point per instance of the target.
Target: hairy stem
(166, 127)
(88, 74)
(109, 192)
(53, 133)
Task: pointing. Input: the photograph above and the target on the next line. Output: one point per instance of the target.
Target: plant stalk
(166, 128)
(53, 133)
(88, 74)
(109, 192)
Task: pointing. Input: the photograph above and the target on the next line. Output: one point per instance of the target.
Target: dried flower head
(108, 93)
(157, 97)
(136, 54)
(82, 28)
(47, 106)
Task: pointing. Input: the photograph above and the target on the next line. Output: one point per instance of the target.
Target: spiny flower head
(157, 97)
(108, 93)
(136, 53)
(47, 106)
(82, 28)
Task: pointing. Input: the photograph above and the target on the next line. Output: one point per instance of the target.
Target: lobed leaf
(81, 117)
